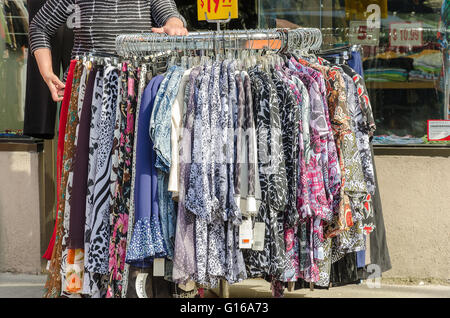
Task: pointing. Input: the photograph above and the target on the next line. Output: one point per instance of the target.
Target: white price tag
(140, 285)
(439, 130)
(246, 234)
(361, 33)
(258, 236)
(158, 267)
(406, 34)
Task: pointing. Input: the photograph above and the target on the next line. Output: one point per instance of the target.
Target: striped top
(96, 23)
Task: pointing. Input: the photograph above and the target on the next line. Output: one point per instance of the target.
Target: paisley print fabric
(344, 137)
(70, 145)
(72, 268)
(56, 275)
(361, 114)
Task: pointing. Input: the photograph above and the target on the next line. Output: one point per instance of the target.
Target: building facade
(403, 48)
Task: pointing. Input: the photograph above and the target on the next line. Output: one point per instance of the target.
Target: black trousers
(40, 109)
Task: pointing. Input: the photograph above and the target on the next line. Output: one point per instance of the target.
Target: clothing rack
(136, 46)
(269, 39)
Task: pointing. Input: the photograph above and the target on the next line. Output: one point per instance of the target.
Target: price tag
(158, 267)
(258, 236)
(140, 285)
(361, 34)
(217, 9)
(439, 130)
(406, 34)
(246, 234)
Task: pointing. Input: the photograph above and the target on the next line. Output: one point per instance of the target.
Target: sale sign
(217, 9)
(406, 34)
(439, 130)
(361, 34)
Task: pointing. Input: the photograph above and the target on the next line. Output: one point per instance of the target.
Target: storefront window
(13, 61)
(403, 57)
(402, 53)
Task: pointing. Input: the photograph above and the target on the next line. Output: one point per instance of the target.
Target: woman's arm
(45, 24)
(44, 61)
(167, 18)
(285, 24)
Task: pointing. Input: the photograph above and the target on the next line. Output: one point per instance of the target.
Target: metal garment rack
(279, 40)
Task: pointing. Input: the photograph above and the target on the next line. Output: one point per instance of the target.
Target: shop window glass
(404, 61)
(13, 61)
(405, 65)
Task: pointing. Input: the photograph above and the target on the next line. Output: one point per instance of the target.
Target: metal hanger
(236, 43)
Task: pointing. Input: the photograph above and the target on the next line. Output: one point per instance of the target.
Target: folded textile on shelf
(396, 140)
(430, 63)
(386, 75)
(422, 76)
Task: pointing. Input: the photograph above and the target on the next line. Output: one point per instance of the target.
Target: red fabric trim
(60, 151)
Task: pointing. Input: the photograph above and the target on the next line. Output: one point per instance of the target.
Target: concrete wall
(20, 237)
(415, 192)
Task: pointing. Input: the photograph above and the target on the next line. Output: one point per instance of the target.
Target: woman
(96, 25)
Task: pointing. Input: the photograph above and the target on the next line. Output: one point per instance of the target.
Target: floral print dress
(119, 213)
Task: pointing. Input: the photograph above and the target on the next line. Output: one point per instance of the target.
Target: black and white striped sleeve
(163, 10)
(47, 21)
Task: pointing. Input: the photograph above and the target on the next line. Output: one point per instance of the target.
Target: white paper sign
(258, 236)
(439, 130)
(361, 33)
(406, 34)
(246, 234)
(158, 267)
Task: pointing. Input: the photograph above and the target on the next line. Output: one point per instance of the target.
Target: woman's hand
(173, 26)
(44, 60)
(55, 86)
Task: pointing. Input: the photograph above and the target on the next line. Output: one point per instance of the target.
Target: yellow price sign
(217, 9)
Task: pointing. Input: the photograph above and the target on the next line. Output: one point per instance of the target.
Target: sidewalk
(21, 285)
(32, 286)
(261, 289)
